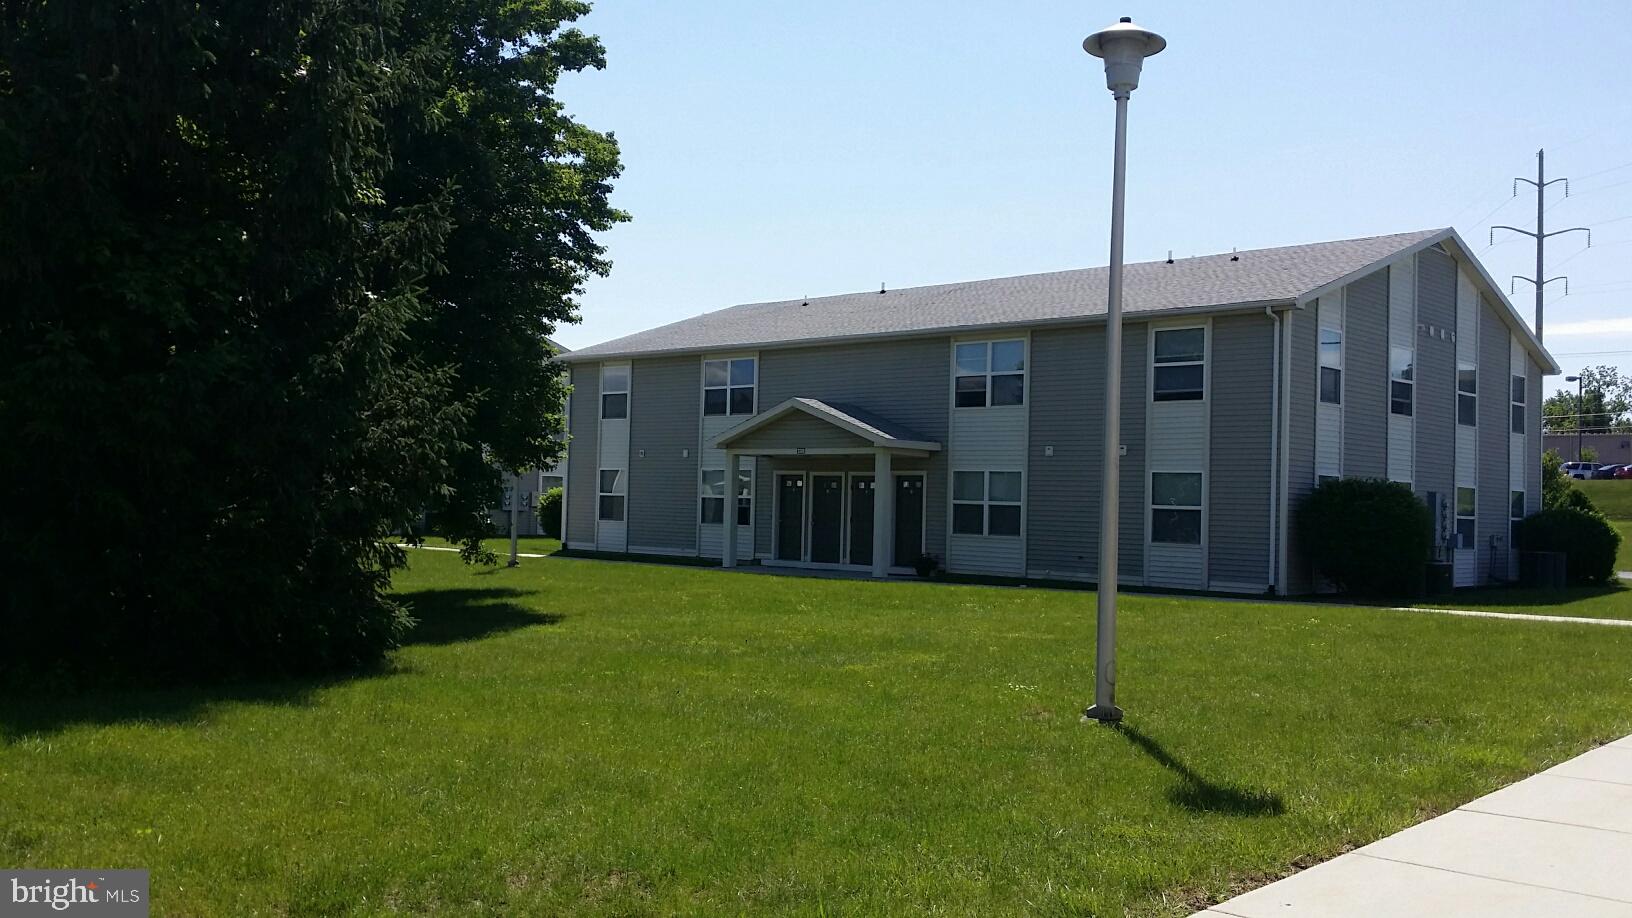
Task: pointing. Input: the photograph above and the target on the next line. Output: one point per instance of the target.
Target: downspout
(1283, 557)
(1274, 447)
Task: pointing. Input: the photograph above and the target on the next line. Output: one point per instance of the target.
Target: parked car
(1605, 472)
(1624, 472)
(1580, 471)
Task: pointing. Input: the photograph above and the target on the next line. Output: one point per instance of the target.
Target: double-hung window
(713, 497)
(728, 386)
(611, 495)
(1467, 507)
(1331, 366)
(1402, 380)
(614, 392)
(986, 503)
(989, 373)
(1180, 357)
(1467, 395)
(1515, 513)
(1518, 404)
(1175, 508)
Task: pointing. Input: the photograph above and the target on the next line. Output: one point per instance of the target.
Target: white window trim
(702, 494)
(628, 385)
(1461, 394)
(1024, 372)
(1205, 363)
(620, 488)
(1321, 365)
(986, 503)
(1457, 515)
(706, 388)
(1150, 515)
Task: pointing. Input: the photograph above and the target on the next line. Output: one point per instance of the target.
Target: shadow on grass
(445, 617)
(451, 616)
(1200, 795)
(1529, 597)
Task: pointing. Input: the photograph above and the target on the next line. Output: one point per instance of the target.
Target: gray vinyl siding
(663, 483)
(1135, 370)
(1435, 370)
(1533, 439)
(1238, 536)
(1068, 416)
(1495, 362)
(800, 431)
(1365, 389)
(907, 382)
(584, 453)
(1301, 440)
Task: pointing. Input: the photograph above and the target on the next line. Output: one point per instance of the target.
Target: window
(1401, 376)
(1181, 369)
(1518, 404)
(1467, 395)
(1175, 516)
(986, 503)
(713, 497)
(611, 502)
(1331, 366)
(728, 386)
(989, 373)
(1466, 507)
(614, 393)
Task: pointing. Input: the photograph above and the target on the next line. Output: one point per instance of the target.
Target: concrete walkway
(1557, 843)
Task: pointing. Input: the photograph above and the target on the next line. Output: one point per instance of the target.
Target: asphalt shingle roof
(1252, 276)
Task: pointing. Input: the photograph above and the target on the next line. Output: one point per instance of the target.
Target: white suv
(1580, 470)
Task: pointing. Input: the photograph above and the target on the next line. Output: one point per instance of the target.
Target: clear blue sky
(775, 150)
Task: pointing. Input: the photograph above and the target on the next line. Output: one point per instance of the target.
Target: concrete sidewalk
(1557, 843)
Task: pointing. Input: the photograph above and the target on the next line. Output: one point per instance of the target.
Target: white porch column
(730, 516)
(883, 512)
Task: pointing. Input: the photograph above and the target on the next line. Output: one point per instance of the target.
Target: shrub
(549, 513)
(1367, 536)
(1584, 536)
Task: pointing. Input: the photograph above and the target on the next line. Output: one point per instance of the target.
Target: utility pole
(1541, 280)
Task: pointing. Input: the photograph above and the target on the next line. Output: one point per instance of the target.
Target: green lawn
(1609, 601)
(500, 545)
(1614, 499)
(588, 738)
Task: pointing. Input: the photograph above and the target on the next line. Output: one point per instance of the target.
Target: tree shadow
(1196, 793)
(452, 616)
(1531, 597)
(444, 617)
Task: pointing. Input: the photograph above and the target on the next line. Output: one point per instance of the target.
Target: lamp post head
(1572, 379)
(1124, 47)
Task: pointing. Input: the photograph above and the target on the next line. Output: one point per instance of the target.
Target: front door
(826, 518)
(861, 519)
(790, 517)
(909, 519)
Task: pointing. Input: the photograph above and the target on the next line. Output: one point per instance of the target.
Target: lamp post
(1580, 411)
(1124, 47)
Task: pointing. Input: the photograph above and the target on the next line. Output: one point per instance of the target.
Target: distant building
(963, 421)
(1611, 448)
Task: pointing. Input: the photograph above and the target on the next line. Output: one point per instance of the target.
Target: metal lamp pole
(1580, 411)
(1124, 47)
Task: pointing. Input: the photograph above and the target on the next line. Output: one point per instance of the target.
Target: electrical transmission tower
(1541, 280)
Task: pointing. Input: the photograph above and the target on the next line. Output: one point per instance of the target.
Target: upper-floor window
(990, 373)
(1401, 380)
(728, 386)
(1180, 357)
(1467, 395)
(986, 503)
(1518, 404)
(615, 392)
(1331, 366)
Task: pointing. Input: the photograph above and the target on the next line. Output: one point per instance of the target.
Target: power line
(1603, 171)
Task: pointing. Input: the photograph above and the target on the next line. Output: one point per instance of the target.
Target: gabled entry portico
(816, 509)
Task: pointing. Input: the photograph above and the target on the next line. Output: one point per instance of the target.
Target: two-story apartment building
(963, 421)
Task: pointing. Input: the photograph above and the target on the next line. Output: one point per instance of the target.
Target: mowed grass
(579, 737)
(1612, 600)
(500, 545)
(1614, 500)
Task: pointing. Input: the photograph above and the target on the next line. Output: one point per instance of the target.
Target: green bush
(1367, 536)
(1584, 536)
(549, 513)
